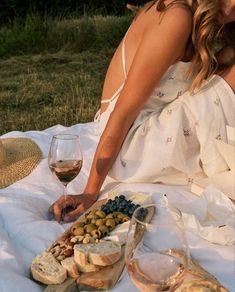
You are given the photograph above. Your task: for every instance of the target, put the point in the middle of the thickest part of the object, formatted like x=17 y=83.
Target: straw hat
x=18 y=157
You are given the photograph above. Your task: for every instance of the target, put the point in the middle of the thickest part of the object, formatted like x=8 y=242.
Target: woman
x=165 y=41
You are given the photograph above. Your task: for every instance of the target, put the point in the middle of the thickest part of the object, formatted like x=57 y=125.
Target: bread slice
x=71 y=267
x=101 y=254
x=47 y=270
x=88 y=268
x=105 y=279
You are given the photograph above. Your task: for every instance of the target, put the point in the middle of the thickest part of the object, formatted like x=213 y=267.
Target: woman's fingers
x=81 y=204
x=57 y=209
x=72 y=215
x=70 y=207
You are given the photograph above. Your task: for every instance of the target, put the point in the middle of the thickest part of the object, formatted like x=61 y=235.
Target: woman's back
x=125 y=53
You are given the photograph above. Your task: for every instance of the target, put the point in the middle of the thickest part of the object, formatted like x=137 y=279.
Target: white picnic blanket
x=25 y=229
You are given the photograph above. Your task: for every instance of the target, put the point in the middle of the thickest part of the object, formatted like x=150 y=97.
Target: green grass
x=52 y=72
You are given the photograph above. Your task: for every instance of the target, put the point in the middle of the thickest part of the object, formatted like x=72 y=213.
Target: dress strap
x=108 y=100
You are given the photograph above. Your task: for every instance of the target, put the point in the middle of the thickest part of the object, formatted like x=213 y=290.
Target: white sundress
x=173 y=138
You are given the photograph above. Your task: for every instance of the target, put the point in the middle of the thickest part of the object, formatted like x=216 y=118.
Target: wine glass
x=157 y=252
x=65 y=158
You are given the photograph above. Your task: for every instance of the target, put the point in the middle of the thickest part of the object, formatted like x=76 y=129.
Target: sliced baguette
x=71 y=267
x=88 y=268
x=101 y=254
x=105 y=279
x=47 y=270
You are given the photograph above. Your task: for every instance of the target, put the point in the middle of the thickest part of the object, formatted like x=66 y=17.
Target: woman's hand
x=70 y=207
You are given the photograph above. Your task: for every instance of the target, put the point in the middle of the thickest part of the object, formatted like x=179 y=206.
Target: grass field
x=52 y=72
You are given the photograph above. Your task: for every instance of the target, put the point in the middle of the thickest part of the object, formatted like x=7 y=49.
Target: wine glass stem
x=65 y=197
x=65 y=191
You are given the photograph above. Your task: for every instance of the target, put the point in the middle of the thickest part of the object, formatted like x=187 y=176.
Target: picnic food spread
x=84 y=248
x=90 y=254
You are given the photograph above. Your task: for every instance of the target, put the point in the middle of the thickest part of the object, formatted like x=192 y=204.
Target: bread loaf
x=101 y=254
x=47 y=270
x=71 y=267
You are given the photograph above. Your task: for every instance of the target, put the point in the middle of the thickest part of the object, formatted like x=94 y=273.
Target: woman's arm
x=162 y=45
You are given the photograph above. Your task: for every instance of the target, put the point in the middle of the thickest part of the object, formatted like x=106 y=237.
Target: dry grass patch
x=39 y=91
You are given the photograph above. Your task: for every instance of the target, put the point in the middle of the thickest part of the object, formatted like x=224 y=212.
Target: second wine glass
x=156 y=252
x=65 y=158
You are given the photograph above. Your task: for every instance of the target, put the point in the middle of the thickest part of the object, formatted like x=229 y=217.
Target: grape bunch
x=120 y=204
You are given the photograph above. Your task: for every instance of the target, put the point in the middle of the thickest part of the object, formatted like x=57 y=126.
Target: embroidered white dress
x=173 y=138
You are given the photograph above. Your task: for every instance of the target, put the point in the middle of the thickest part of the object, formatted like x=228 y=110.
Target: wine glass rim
x=65 y=136
x=172 y=208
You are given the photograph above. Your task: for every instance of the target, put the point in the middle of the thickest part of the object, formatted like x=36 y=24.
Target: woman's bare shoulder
x=176 y=19
x=169 y=5
x=177 y=14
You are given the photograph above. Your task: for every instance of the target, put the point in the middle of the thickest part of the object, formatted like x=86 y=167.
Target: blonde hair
x=207 y=37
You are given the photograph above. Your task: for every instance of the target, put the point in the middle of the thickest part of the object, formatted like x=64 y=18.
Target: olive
x=115 y=214
x=104 y=230
x=92 y=216
x=125 y=219
x=94 y=211
x=109 y=216
x=77 y=230
x=80 y=224
x=120 y=216
x=96 y=233
x=110 y=223
x=100 y=222
x=93 y=221
x=82 y=219
x=117 y=220
x=100 y=214
x=88 y=228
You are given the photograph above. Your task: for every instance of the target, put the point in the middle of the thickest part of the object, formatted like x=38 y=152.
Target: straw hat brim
x=22 y=155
